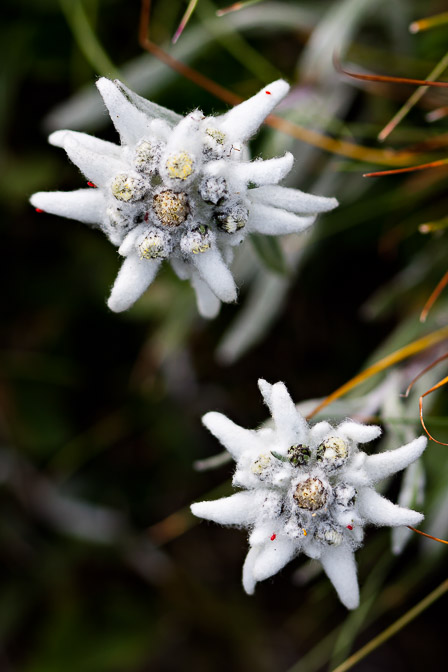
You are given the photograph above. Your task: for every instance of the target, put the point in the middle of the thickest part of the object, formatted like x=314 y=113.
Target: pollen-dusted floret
x=214 y=190
x=311 y=494
x=179 y=166
x=294 y=501
x=147 y=156
x=171 y=207
x=197 y=241
x=260 y=465
x=232 y=218
x=214 y=142
x=333 y=452
x=154 y=245
x=128 y=187
x=179 y=174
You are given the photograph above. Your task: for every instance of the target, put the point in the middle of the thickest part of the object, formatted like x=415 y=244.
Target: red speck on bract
x=91 y=184
x=146 y=216
x=274 y=536
x=39 y=210
x=349 y=527
x=269 y=93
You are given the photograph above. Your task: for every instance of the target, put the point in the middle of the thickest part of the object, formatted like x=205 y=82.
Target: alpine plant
x=180 y=189
x=306 y=489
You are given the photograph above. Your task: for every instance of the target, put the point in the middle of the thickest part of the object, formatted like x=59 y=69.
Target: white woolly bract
x=184 y=186
x=306 y=490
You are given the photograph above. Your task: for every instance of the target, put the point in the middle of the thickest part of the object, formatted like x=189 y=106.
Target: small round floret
x=179 y=166
x=154 y=246
x=299 y=455
x=171 y=207
x=128 y=188
x=196 y=241
x=332 y=452
x=310 y=494
x=147 y=155
x=233 y=218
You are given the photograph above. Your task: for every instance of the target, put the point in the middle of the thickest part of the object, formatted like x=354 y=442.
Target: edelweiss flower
x=306 y=490
x=180 y=188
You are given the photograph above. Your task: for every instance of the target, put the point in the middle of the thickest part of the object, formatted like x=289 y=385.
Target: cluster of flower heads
x=306 y=490
x=183 y=189
x=180 y=188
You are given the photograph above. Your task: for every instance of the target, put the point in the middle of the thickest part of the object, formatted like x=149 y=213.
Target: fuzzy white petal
x=184 y=136
x=134 y=277
x=292 y=200
x=358 y=432
x=248 y=570
x=147 y=106
x=95 y=167
x=215 y=273
x=291 y=427
x=181 y=269
x=208 y=302
x=381 y=465
x=85 y=205
x=340 y=567
x=275 y=222
x=131 y=123
x=238 y=509
x=263 y=172
x=128 y=244
x=380 y=511
x=59 y=138
x=319 y=431
x=273 y=556
x=244 y=119
x=234 y=438
x=266 y=391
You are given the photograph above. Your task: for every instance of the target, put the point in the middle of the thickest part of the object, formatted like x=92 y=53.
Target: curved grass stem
x=350 y=150
x=86 y=38
x=394 y=628
x=399 y=355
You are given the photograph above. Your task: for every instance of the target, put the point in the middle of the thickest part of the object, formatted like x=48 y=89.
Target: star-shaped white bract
x=306 y=490
x=180 y=188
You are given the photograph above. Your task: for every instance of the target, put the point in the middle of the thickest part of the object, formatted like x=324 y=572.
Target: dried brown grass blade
x=350 y=150
x=441 y=541
x=434 y=296
x=429 y=22
x=442 y=382
x=386 y=362
x=436 y=72
x=387 y=78
x=422 y=373
x=408 y=169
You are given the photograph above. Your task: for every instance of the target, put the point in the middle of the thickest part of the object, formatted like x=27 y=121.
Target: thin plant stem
x=394 y=628
x=413 y=100
x=398 y=356
x=86 y=38
x=351 y=150
x=185 y=19
x=236 y=7
x=429 y=22
x=424 y=534
x=434 y=296
x=409 y=169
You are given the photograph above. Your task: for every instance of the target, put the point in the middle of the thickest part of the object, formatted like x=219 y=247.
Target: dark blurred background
x=102 y=567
